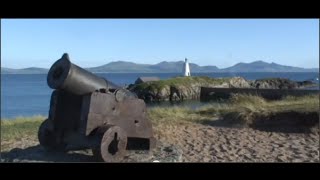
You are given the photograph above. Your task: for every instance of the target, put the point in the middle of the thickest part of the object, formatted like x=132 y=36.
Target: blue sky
x=220 y=42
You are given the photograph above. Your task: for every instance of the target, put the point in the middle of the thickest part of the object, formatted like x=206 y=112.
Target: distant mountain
x=31 y=70
x=261 y=66
x=171 y=67
x=164 y=66
x=6 y=70
x=121 y=67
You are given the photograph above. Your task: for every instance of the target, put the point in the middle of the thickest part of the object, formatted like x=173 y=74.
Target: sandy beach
x=195 y=143
x=205 y=143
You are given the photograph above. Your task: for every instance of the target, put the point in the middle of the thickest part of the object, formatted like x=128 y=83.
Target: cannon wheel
x=48 y=139
x=113 y=145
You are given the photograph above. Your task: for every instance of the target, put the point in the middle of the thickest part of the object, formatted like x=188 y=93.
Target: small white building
x=186 y=68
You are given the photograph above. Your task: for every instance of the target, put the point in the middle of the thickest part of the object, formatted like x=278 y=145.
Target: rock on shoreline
x=184 y=88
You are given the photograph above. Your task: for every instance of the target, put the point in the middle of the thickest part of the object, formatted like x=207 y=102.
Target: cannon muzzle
x=63 y=75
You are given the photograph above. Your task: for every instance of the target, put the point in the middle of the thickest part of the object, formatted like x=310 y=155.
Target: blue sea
x=29 y=94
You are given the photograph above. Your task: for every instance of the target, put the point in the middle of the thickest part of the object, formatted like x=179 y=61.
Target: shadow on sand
x=38 y=154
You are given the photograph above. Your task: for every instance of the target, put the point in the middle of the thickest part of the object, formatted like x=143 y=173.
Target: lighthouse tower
x=186 y=69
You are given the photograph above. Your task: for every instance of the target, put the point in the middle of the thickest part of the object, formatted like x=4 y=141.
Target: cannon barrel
x=64 y=75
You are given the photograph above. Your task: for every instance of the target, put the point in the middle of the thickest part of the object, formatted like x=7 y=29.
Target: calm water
x=28 y=95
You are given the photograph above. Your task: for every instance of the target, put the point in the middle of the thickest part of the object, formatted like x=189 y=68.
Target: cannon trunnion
x=87 y=111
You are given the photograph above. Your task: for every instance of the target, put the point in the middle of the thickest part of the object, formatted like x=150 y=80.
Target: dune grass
x=246 y=109
x=17 y=128
x=238 y=102
x=242 y=109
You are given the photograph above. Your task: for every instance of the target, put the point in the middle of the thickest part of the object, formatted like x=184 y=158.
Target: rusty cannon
x=90 y=112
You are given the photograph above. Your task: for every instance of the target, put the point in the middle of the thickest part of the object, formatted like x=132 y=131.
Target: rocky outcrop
x=306 y=84
x=152 y=91
x=274 y=83
x=280 y=83
x=239 y=82
x=179 y=89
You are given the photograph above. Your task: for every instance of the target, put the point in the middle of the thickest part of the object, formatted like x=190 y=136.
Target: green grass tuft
x=15 y=129
x=181 y=81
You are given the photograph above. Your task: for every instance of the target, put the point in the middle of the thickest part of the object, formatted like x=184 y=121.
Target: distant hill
x=164 y=66
x=121 y=67
x=261 y=66
x=171 y=67
x=31 y=70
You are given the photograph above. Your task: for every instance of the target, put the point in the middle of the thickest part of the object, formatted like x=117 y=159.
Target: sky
x=218 y=42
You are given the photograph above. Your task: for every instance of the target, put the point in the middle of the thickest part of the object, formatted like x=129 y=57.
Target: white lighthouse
x=186 y=68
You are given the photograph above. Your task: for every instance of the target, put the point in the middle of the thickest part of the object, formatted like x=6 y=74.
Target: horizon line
x=169 y=62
